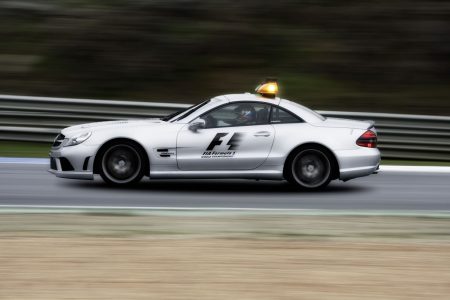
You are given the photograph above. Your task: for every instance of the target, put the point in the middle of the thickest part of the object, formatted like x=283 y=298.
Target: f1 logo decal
x=233 y=143
x=216 y=141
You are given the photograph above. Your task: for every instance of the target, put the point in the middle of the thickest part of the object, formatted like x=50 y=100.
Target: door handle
x=262 y=133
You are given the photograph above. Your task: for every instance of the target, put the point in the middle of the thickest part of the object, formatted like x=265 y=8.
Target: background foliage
x=387 y=55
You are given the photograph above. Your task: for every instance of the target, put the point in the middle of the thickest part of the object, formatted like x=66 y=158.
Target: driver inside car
x=246 y=114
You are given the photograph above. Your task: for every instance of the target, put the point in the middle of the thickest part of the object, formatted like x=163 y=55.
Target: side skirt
x=246 y=174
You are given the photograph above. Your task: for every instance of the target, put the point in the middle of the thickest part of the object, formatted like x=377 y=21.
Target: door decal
x=235 y=141
x=217 y=141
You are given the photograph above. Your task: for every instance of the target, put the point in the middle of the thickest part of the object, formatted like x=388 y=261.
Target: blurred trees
x=388 y=55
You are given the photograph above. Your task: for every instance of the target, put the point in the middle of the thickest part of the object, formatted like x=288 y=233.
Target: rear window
x=280 y=116
x=312 y=112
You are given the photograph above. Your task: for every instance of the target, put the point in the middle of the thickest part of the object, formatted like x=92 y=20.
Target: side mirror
x=197 y=124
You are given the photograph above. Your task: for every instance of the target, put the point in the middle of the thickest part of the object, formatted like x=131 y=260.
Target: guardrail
x=39 y=119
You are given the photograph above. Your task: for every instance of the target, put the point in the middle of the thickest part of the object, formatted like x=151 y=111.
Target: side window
x=238 y=114
x=280 y=115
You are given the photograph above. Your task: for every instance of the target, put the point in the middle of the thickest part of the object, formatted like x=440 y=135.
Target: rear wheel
x=310 y=169
x=121 y=164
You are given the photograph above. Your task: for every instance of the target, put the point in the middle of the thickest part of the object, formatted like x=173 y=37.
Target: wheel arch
x=114 y=141
x=333 y=159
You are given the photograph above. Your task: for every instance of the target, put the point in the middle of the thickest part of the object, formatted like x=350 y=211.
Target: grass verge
x=103 y=256
x=24 y=149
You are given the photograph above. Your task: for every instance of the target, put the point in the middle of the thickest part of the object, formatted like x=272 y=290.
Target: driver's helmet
x=246 y=113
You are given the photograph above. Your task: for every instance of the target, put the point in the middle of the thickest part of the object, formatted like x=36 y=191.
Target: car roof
x=305 y=113
x=250 y=97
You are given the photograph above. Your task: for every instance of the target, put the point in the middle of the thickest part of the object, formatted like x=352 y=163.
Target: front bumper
x=76 y=162
x=72 y=174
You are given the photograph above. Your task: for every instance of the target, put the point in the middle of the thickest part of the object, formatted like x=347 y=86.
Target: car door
x=236 y=136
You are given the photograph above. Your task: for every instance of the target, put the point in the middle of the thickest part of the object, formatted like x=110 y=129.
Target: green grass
x=28 y=149
x=402 y=162
x=24 y=149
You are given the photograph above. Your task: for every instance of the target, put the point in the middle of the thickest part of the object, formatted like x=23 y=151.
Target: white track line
x=76 y=207
x=57 y=209
x=417 y=169
x=383 y=168
x=24 y=160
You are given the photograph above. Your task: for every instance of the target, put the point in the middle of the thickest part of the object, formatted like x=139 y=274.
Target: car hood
x=109 y=124
x=345 y=123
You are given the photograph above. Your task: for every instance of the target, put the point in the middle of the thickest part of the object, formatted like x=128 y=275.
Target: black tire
x=122 y=164
x=309 y=169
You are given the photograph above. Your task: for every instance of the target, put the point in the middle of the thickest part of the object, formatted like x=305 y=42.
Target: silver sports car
x=253 y=136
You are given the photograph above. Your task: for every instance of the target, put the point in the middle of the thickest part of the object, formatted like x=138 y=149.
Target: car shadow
x=224 y=186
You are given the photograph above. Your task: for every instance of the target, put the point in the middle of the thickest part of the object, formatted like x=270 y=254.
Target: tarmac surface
x=31 y=185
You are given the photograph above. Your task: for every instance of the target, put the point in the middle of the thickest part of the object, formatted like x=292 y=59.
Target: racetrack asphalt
x=31 y=184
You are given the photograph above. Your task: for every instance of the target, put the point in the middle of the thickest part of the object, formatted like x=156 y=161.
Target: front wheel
x=310 y=169
x=121 y=164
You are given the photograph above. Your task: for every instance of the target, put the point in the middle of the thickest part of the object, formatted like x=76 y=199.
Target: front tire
x=310 y=169
x=122 y=164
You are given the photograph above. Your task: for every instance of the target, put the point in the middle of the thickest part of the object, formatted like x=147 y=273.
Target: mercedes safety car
x=252 y=136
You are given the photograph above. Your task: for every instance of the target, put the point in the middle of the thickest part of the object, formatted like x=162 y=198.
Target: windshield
x=188 y=111
x=183 y=113
x=172 y=115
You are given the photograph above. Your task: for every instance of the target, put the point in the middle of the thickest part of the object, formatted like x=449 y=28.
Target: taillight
x=367 y=139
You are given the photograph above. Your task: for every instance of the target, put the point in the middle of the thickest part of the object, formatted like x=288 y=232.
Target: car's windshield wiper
x=183 y=113
x=170 y=116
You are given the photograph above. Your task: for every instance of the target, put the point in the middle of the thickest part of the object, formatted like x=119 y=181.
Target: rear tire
x=122 y=164
x=309 y=169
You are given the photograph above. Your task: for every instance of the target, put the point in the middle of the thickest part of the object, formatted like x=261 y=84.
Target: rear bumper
x=358 y=163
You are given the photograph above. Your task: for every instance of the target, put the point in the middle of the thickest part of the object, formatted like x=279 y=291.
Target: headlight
x=77 y=139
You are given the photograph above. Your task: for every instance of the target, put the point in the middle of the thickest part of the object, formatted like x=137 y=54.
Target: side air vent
x=165 y=152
